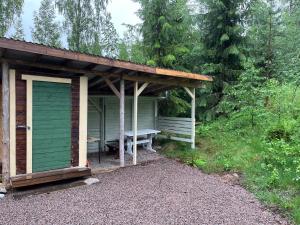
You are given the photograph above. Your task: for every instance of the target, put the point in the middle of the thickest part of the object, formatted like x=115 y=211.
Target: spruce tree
x=165 y=30
x=8 y=10
x=46 y=30
x=222 y=39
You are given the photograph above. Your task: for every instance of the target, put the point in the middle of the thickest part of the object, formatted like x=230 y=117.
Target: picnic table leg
x=99 y=150
x=129 y=146
x=149 y=144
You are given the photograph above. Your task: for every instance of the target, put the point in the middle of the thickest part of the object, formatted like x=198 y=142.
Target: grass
x=220 y=151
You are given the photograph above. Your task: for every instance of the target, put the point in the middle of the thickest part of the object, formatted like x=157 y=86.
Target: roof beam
x=76 y=56
x=95 y=81
x=142 y=78
x=112 y=87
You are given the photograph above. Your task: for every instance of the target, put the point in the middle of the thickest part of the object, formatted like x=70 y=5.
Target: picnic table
x=145 y=137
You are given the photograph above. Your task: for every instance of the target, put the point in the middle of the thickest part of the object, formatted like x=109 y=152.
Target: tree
x=88 y=26
x=287 y=62
x=8 y=10
x=221 y=27
x=18 y=30
x=165 y=30
x=46 y=30
x=131 y=47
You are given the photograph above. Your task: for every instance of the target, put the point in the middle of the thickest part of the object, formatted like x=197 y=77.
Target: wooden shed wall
x=0 y=126
x=110 y=107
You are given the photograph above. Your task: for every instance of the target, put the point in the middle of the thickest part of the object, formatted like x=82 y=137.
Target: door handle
x=23 y=127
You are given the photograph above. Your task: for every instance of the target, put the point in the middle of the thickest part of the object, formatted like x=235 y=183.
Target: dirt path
x=162 y=192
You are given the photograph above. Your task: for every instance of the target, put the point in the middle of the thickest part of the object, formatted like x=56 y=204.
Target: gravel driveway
x=161 y=192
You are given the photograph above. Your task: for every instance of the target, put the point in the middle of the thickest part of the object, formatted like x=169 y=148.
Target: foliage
x=222 y=37
x=264 y=28
x=131 y=46
x=88 y=26
x=46 y=30
x=8 y=10
x=18 y=30
x=165 y=31
x=266 y=152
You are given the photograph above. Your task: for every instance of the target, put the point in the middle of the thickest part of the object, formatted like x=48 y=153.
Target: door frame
x=29 y=80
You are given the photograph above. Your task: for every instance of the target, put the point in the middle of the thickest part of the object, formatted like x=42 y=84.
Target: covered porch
x=101 y=83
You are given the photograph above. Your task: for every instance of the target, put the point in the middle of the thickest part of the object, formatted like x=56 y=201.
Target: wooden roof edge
x=77 y=56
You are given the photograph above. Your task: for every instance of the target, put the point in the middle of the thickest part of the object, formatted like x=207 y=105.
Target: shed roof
x=39 y=58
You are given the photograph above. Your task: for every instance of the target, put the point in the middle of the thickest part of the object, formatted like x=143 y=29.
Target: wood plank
x=175 y=138
x=12 y=119
x=183 y=81
x=122 y=122
x=5 y=124
x=51 y=176
x=175 y=118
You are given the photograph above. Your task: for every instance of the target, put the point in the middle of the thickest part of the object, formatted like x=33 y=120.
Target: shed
x=53 y=99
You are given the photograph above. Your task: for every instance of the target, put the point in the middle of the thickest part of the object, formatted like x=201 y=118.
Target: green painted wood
x=51 y=126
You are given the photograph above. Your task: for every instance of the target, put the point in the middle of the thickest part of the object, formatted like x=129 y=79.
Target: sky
x=122 y=11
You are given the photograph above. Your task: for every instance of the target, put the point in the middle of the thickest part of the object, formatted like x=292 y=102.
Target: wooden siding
x=21 y=120
x=146 y=117
x=112 y=119
x=175 y=125
x=178 y=129
x=51 y=126
x=1 y=141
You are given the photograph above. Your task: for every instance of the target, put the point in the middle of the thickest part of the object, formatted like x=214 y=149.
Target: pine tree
x=88 y=26
x=46 y=30
x=8 y=10
x=18 y=30
x=165 y=31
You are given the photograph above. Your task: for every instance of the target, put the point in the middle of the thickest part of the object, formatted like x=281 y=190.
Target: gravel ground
x=161 y=192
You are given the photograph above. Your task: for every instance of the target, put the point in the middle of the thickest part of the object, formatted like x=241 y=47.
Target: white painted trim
x=29 y=126
x=134 y=121
x=193 y=115
x=83 y=112
x=112 y=87
x=46 y=79
x=191 y=94
x=12 y=121
x=142 y=88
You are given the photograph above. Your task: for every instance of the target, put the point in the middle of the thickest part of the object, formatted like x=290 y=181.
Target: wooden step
x=49 y=176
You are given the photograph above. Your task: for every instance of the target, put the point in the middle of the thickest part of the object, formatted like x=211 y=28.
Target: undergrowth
x=263 y=144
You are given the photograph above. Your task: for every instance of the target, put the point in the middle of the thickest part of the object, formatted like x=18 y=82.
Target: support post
x=193 y=112
x=5 y=123
x=134 y=124
x=122 y=123
x=192 y=94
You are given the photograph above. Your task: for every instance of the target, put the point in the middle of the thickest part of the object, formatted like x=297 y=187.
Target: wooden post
x=193 y=112
x=192 y=94
x=134 y=122
x=156 y=114
x=5 y=124
x=122 y=123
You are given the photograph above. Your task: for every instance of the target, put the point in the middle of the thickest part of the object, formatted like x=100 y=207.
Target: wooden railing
x=176 y=128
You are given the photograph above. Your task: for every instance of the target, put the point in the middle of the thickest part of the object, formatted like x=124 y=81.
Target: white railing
x=176 y=128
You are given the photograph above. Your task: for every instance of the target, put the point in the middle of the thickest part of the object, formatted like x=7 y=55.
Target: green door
x=51 y=126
